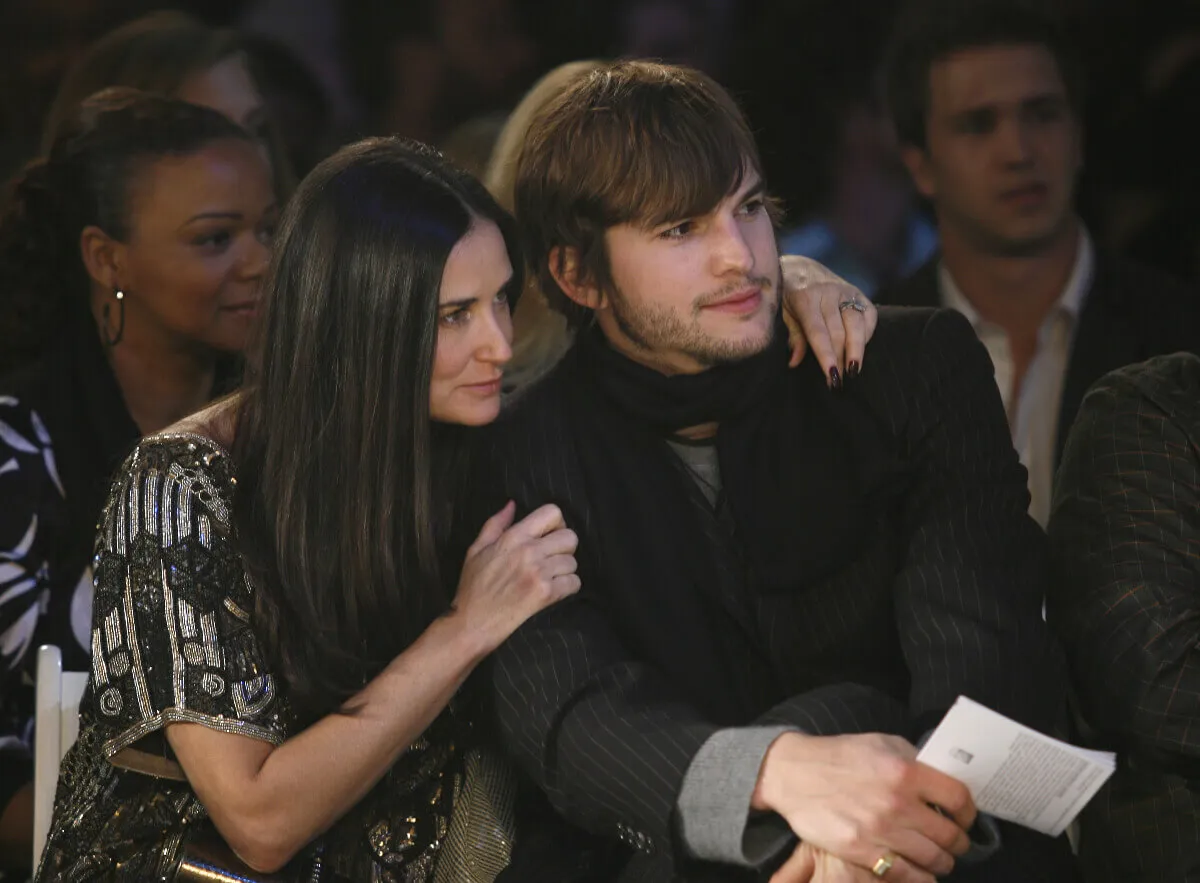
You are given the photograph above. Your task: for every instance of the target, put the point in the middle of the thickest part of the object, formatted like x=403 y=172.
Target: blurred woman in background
x=170 y=53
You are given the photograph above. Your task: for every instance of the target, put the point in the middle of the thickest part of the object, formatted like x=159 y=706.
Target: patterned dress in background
x=64 y=428
x=32 y=492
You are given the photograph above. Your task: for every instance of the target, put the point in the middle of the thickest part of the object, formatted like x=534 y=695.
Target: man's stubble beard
x=654 y=330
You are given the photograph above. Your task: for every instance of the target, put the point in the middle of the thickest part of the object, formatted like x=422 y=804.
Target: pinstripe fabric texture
x=1126 y=602
x=943 y=599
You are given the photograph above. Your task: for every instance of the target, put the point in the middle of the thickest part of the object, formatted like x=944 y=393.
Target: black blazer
x=1132 y=312
x=944 y=599
x=1126 y=602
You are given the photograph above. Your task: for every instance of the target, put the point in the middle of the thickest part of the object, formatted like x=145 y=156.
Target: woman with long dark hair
x=130 y=259
x=278 y=647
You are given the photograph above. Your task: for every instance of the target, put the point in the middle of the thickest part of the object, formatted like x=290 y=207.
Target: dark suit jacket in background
x=1125 y=530
x=1132 y=312
x=944 y=599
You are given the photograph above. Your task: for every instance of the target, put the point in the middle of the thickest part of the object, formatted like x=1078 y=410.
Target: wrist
x=468 y=644
x=765 y=796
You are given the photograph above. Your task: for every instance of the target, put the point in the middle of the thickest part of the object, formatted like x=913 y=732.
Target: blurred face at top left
x=197 y=247
x=228 y=88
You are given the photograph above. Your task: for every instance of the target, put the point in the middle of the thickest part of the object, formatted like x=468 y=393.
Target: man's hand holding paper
x=863 y=798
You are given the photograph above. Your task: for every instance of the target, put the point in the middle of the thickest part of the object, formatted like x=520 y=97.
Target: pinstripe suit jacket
x=1126 y=602
x=943 y=599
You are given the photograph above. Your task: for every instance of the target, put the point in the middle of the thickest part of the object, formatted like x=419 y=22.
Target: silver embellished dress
x=173 y=640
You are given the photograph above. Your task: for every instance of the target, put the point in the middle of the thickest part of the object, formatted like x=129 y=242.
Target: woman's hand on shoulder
x=819 y=316
x=514 y=570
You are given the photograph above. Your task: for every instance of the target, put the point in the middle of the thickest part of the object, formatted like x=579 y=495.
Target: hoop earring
x=113 y=339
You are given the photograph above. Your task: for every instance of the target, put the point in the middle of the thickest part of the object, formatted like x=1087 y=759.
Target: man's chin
x=1029 y=240
x=727 y=349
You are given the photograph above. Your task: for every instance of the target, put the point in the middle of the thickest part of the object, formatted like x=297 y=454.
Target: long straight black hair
x=343 y=478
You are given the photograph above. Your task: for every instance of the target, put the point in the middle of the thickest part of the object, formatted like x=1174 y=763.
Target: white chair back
x=56 y=728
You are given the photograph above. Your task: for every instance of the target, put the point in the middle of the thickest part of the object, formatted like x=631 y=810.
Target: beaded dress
x=173 y=640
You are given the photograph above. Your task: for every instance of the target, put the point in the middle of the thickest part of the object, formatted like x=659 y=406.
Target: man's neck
x=619 y=341
x=1014 y=292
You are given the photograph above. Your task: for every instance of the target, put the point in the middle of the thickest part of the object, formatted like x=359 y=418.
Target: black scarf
x=788 y=473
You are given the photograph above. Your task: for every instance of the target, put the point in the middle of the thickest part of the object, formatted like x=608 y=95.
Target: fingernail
x=852 y=371
x=835 y=379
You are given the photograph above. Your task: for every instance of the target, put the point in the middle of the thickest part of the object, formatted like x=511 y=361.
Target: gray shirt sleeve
x=714 y=816
x=713 y=810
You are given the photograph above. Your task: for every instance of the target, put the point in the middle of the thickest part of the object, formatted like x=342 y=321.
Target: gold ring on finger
x=884 y=864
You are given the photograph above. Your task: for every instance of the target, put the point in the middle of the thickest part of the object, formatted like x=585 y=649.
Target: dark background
x=445 y=71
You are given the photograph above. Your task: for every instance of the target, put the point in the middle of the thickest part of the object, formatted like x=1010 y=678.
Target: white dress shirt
x=1033 y=416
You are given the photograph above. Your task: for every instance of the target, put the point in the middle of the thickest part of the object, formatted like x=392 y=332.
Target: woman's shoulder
x=181 y=444
x=199 y=442
x=170 y=508
x=172 y=484
x=182 y=448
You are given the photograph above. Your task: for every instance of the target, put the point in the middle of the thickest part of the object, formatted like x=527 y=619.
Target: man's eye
x=678 y=231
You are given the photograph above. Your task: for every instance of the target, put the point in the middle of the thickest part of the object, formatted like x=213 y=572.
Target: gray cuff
x=713 y=808
x=985 y=840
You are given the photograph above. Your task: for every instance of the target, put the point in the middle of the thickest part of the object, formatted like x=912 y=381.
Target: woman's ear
x=102 y=256
x=568 y=274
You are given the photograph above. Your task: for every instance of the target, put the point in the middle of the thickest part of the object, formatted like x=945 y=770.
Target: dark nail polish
x=835 y=379
x=852 y=371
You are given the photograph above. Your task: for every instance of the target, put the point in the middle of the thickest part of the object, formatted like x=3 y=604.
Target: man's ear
x=920 y=169
x=102 y=256
x=567 y=271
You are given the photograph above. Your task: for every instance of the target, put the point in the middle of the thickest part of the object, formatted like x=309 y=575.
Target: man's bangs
x=675 y=175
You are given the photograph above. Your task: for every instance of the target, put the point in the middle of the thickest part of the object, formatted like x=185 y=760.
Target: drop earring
x=111 y=340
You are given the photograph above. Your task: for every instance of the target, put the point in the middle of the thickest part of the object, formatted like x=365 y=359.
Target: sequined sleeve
x=172 y=638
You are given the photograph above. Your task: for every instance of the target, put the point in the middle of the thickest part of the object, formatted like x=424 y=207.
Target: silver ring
x=851 y=305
